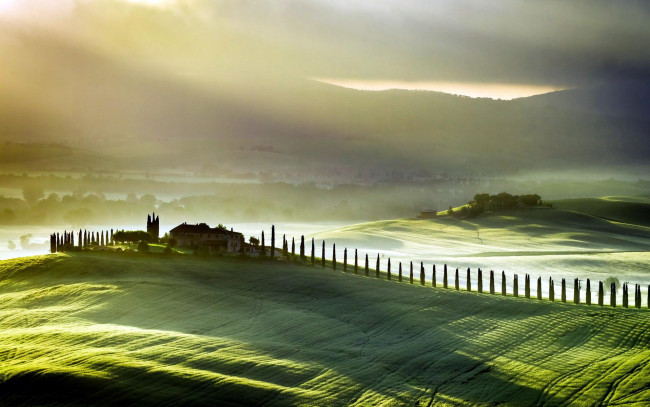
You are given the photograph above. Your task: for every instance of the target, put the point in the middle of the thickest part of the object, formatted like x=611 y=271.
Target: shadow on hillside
x=394 y=353
x=139 y=387
x=401 y=342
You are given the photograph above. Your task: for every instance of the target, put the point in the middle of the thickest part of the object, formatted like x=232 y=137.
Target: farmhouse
x=203 y=236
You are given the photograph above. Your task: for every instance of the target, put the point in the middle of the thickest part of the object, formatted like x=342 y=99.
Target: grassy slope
x=135 y=329
x=634 y=210
x=511 y=232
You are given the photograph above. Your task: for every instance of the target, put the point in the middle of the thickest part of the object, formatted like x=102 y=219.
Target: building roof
x=201 y=228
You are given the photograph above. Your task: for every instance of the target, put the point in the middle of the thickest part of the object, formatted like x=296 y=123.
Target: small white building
x=201 y=235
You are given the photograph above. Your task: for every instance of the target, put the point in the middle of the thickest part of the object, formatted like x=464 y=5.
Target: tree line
x=485 y=202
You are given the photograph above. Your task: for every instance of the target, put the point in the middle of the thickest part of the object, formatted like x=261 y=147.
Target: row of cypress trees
x=66 y=240
x=480 y=288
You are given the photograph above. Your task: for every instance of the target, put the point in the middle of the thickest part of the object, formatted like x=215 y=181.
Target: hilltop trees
x=485 y=202
x=131 y=236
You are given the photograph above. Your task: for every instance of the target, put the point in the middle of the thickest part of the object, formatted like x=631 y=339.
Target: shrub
x=143 y=247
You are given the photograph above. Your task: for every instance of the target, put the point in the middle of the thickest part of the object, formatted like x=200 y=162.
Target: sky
x=125 y=77
x=534 y=45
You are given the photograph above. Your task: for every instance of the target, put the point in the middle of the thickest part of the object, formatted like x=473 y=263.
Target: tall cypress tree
x=551 y=289
x=302 y=248
x=345 y=260
x=272 y=241
x=563 y=290
x=503 y=282
x=444 y=277
x=356 y=262
x=422 y=278
x=601 y=293
x=293 y=247
x=457 y=283
x=334 y=256
x=491 y=281
x=322 y=259
x=539 y=288
x=640 y=297
x=411 y=274
x=388 y=270
x=576 y=291
x=313 y=252
x=515 y=286
x=367 y=267
x=81 y=242
x=112 y=242
x=612 y=295
x=399 y=276
x=263 y=252
x=480 y=280
x=433 y=276
x=625 y=295
x=469 y=280
x=377 y=267
x=101 y=240
x=588 y=293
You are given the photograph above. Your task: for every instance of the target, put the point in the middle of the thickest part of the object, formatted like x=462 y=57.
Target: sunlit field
x=585 y=240
x=116 y=329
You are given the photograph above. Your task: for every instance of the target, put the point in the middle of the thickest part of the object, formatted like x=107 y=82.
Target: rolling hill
x=146 y=330
x=625 y=209
x=580 y=238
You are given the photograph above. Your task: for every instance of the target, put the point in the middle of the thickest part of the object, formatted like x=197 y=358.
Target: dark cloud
x=552 y=42
x=545 y=42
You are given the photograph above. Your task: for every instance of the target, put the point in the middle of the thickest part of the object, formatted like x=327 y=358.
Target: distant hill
x=621 y=209
x=49 y=156
x=121 y=330
x=625 y=100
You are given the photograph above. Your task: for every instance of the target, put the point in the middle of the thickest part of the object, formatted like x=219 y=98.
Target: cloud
x=552 y=42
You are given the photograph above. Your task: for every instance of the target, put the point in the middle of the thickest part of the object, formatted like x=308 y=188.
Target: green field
x=119 y=329
x=582 y=238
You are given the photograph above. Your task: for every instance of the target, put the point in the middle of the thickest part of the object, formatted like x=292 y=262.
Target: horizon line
x=490 y=90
